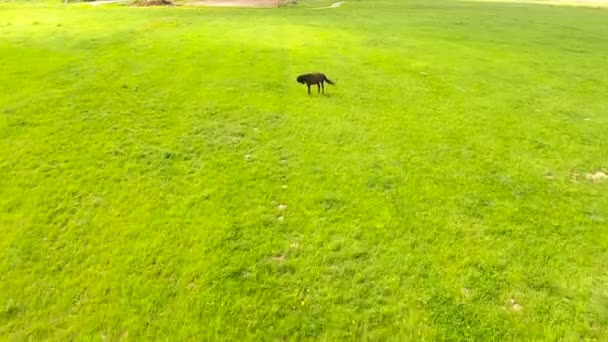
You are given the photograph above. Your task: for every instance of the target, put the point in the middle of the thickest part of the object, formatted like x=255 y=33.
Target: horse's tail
x=327 y=80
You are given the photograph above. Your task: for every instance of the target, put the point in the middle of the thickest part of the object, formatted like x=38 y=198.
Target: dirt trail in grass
x=334 y=5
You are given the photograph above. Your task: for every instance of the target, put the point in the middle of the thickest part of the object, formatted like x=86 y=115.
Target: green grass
x=430 y=195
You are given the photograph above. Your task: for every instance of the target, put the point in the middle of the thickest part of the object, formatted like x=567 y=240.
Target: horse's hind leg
x=318 y=88
x=323 y=87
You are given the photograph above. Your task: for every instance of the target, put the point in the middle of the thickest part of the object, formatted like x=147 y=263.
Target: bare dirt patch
x=334 y=5
x=596 y=177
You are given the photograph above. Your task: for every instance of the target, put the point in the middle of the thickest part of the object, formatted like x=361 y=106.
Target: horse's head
x=300 y=79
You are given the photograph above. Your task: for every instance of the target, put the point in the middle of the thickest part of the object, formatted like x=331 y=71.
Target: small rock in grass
x=514 y=305
x=282 y=206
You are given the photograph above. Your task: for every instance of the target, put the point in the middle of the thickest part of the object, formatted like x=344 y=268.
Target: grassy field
x=163 y=176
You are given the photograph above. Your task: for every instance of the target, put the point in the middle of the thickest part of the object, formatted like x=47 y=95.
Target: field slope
x=163 y=176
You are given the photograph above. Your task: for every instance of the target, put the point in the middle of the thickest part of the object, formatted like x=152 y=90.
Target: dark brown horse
x=314 y=78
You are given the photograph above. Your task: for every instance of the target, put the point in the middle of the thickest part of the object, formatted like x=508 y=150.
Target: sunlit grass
x=163 y=176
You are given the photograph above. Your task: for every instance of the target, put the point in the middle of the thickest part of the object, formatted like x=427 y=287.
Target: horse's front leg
x=308 y=85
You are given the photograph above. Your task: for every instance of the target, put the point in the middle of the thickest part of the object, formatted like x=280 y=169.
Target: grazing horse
x=314 y=78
